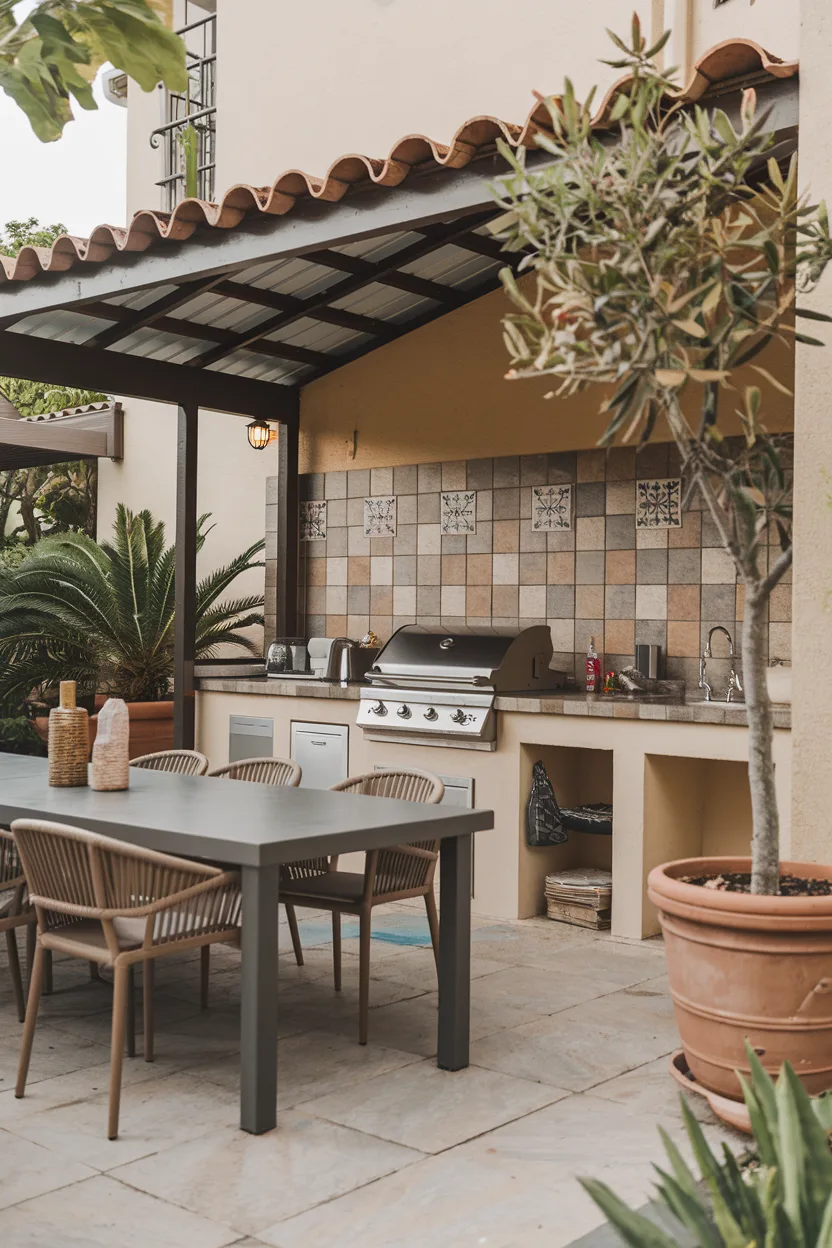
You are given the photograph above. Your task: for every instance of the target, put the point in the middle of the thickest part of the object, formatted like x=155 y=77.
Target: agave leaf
x=633 y=1227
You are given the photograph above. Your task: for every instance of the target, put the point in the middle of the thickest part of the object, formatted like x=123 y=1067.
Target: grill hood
x=503 y=663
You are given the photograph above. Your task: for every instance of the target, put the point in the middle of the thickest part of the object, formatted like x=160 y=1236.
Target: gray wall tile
x=358 y=483
x=651 y=567
x=507 y=504
x=590 y=498
x=560 y=602
x=589 y=567
x=683 y=567
x=621 y=532
x=429 y=477
x=620 y=602
x=480 y=474
x=335 y=485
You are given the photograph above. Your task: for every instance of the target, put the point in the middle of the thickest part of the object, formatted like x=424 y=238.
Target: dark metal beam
x=153 y=312
x=279 y=302
x=364 y=272
x=184 y=624
x=65 y=363
x=287 y=531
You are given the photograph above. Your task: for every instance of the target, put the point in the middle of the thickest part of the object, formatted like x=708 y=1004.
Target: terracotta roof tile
x=733 y=59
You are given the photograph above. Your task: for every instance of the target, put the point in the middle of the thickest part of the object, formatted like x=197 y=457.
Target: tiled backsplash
x=662 y=580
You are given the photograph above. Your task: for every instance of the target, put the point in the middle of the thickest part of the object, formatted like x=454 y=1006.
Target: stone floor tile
x=102 y=1213
x=586 y=1045
x=429 y=1109
x=620 y=965
x=314 y=1064
x=155 y=1114
x=249 y=1181
x=28 y=1170
x=515 y=1187
x=55 y=1052
x=525 y=988
x=651 y=1089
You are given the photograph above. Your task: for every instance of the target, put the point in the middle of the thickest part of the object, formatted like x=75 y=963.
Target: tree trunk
x=765 y=845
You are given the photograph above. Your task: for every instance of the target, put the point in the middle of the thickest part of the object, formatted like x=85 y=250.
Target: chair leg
x=14 y=970
x=204 y=975
x=147 y=1006
x=121 y=993
x=131 y=1010
x=31 y=943
x=433 y=923
x=292 y=920
x=95 y=970
x=35 y=983
x=336 y=949
x=363 y=976
x=47 y=977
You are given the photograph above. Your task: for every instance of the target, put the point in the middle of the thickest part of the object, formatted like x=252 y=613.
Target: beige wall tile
x=651 y=602
x=560 y=567
x=316 y=572
x=621 y=567
x=717 y=567
x=505 y=600
x=478 y=601
x=683 y=602
x=453 y=569
x=381 y=570
x=690 y=534
x=358 y=571
x=428 y=569
x=780 y=605
x=336 y=626
x=479 y=570
x=589 y=602
x=506 y=536
x=404 y=600
x=454 y=475
x=506 y=569
x=429 y=540
x=780 y=641
x=621 y=500
x=683 y=640
x=651 y=539
x=336 y=600
x=381 y=600
x=336 y=571
x=590 y=532
x=563 y=635
x=453 y=600
x=533 y=601
x=591 y=465
x=619 y=636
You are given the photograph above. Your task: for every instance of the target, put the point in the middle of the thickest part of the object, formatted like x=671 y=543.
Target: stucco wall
x=813 y=476
x=232 y=482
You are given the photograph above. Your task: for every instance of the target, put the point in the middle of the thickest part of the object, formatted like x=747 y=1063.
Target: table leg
x=454 y=952
x=258 y=1011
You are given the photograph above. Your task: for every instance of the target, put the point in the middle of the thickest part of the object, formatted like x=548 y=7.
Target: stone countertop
x=557 y=702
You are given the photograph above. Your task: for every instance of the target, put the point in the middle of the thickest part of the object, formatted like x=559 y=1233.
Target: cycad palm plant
x=102 y=615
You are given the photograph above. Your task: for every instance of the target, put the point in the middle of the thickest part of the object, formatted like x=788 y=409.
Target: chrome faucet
x=734 y=685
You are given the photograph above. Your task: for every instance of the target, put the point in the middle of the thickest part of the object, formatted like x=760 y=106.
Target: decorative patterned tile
x=380 y=517
x=551 y=507
x=659 y=503
x=313 y=520
x=459 y=511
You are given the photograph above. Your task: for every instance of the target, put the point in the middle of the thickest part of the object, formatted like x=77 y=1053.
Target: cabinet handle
x=317 y=742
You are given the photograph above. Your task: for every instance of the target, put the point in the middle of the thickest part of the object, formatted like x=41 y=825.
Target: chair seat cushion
x=86 y=937
x=333 y=886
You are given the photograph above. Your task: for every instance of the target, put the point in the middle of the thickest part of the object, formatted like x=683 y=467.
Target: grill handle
x=426 y=680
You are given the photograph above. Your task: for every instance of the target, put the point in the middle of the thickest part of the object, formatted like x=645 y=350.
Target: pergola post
x=287 y=530
x=184 y=630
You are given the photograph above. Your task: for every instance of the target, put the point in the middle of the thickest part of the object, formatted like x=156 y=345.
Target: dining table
x=256 y=828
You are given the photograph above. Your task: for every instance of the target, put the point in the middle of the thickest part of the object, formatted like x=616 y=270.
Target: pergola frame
x=441 y=206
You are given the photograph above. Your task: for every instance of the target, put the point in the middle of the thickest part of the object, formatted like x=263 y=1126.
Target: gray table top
x=228 y=820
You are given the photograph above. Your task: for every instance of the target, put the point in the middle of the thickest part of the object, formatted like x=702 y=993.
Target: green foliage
x=103 y=615
x=17 y=234
x=781 y=1196
x=18 y=736
x=52 y=56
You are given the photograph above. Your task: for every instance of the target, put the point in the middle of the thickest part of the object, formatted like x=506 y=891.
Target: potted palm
x=662 y=256
x=102 y=615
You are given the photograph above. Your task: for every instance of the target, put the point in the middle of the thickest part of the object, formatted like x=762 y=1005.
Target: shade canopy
x=91 y=432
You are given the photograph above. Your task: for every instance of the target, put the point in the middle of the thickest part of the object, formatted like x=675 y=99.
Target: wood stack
x=582 y=896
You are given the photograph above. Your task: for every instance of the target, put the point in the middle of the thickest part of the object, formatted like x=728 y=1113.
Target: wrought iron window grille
x=188 y=136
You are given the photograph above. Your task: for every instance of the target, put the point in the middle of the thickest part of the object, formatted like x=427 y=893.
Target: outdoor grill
x=429 y=686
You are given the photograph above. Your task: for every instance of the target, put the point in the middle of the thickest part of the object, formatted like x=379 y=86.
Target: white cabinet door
x=322 y=751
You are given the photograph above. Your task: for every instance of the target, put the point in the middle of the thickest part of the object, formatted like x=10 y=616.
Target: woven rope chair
x=389 y=875
x=116 y=904
x=284 y=771
x=178 y=762
x=15 y=911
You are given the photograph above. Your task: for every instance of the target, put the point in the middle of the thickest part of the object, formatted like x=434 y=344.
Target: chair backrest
x=406 y=785
x=408 y=870
x=283 y=771
x=11 y=872
x=182 y=762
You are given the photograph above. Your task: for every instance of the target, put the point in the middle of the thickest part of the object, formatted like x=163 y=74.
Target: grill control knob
x=378 y=709
x=404 y=712
x=459 y=716
x=431 y=714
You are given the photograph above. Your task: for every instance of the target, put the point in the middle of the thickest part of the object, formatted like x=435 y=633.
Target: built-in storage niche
x=693 y=807
x=579 y=776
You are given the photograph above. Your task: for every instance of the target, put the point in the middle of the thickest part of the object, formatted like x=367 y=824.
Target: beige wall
x=813 y=475
x=439 y=393
x=232 y=482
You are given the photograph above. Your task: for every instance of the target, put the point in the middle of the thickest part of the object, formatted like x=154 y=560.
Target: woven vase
x=111 y=748
x=69 y=741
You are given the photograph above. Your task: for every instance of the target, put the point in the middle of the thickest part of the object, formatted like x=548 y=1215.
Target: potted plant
x=102 y=615
x=662 y=254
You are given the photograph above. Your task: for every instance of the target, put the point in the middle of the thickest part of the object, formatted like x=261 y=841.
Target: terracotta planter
x=743 y=965
x=151 y=726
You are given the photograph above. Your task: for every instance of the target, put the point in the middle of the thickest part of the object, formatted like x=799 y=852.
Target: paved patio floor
x=376 y=1147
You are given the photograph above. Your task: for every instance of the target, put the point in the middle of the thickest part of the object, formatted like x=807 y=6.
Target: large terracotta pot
x=743 y=965
x=151 y=726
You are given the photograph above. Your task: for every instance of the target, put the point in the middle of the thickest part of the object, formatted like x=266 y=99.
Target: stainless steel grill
x=433 y=687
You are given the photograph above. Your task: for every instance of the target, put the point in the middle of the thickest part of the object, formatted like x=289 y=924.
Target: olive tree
x=661 y=255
